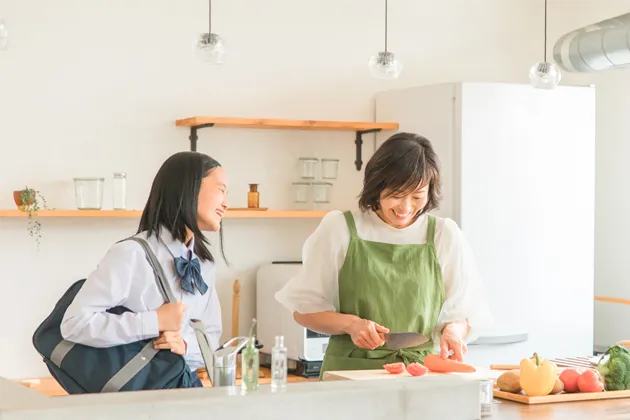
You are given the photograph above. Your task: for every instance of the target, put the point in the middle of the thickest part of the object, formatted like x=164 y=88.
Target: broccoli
x=616 y=370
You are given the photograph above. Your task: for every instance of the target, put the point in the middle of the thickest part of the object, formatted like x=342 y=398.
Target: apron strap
x=351 y=225
x=431 y=230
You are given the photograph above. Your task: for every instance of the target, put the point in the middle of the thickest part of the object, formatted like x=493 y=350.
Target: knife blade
x=396 y=341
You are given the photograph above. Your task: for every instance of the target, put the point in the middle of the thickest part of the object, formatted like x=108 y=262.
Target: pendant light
x=384 y=64
x=210 y=47
x=4 y=35
x=544 y=74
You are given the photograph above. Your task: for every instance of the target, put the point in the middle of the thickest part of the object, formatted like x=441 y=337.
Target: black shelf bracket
x=359 y=142
x=193 y=135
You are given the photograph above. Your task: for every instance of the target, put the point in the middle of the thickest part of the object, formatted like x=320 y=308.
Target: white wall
x=89 y=87
x=612 y=266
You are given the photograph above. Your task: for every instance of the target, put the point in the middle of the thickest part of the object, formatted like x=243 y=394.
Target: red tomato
x=416 y=369
x=590 y=381
x=569 y=378
x=395 y=368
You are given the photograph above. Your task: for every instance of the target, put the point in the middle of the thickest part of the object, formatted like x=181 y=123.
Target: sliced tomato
x=416 y=369
x=395 y=368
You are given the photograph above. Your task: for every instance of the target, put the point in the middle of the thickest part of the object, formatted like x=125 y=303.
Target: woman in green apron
x=391 y=266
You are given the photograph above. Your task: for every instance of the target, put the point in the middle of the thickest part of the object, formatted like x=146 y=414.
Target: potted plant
x=31 y=201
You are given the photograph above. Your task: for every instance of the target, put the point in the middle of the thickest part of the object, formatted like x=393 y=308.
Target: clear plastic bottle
x=250 y=364
x=120 y=191
x=279 y=364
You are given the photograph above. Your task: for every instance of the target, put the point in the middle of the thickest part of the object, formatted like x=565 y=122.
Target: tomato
x=416 y=369
x=590 y=381
x=569 y=378
x=395 y=368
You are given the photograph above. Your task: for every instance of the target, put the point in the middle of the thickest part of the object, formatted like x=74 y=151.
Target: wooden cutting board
x=560 y=398
x=369 y=375
x=564 y=363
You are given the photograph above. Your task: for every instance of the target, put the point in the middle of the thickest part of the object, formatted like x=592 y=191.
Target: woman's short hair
x=402 y=164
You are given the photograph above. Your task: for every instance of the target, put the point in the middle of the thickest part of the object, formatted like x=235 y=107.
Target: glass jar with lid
x=329 y=168
x=307 y=166
x=321 y=192
x=301 y=192
x=120 y=191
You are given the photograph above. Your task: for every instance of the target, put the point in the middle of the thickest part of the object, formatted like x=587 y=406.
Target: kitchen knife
x=403 y=340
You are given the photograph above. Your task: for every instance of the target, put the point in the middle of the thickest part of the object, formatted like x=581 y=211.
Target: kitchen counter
x=613 y=409
x=406 y=399
x=584 y=410
x=399 y=399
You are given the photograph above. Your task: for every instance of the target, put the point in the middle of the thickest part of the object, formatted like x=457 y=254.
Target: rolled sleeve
x=315 y=288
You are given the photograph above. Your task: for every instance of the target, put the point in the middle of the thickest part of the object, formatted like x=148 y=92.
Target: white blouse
x=315 y=288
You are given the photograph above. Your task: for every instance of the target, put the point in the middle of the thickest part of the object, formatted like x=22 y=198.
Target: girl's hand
x=171 y=316
x=171 y=340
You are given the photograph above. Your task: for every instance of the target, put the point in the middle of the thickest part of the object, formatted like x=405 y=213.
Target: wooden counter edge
x=50 y=387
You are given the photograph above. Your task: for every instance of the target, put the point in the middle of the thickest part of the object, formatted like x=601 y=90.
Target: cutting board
x=562 y=398
x=369 y=375
x=565 y=363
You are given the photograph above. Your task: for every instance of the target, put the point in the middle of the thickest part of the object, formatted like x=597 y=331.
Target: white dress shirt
x=125 y=278
x=316 y=289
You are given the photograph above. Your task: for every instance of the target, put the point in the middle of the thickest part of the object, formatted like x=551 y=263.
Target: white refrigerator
x=518 y=174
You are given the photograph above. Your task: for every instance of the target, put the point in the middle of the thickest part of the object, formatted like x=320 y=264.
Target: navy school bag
x=81 y=369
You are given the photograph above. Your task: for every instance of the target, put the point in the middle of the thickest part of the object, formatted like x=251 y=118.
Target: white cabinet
x=518 y=172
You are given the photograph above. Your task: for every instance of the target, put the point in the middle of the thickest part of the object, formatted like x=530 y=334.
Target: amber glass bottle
x=253 y=196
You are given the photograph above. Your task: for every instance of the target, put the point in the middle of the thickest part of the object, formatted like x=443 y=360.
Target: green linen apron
x=397 y=286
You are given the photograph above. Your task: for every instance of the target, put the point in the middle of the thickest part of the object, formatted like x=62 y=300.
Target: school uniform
x=413 y=279
x=125 y=278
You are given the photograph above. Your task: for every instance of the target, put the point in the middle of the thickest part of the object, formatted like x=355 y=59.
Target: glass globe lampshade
x=384 y=65
x=210 y=48
x=545 y=75
x=4 y=35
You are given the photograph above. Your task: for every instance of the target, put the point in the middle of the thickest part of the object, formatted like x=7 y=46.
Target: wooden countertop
x=49 y=386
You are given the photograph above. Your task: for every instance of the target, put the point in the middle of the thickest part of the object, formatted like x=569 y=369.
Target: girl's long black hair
x=172 y=202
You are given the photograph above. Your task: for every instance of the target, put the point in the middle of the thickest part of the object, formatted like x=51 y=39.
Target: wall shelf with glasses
x=359 y=128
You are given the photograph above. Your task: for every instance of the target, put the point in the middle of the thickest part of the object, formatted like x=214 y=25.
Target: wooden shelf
x=359 y=128
x=239 y=214
x=612 y=300
x=285 y=124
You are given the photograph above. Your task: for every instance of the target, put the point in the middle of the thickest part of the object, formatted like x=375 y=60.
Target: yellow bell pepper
x=536 y=378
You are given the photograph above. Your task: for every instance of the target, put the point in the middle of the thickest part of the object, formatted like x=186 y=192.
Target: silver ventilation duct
x=601 y=46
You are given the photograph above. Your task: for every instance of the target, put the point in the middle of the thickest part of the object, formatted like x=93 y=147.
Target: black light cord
x=545 y=47
x=386 y=25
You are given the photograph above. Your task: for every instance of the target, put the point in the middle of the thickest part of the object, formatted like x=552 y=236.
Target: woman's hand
x=451 y=339
x=366 y=334
x=171 y=340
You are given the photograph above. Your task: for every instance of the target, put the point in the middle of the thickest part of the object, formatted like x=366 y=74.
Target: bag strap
x=160 y=277
x=144 y=357
x=204 y=346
